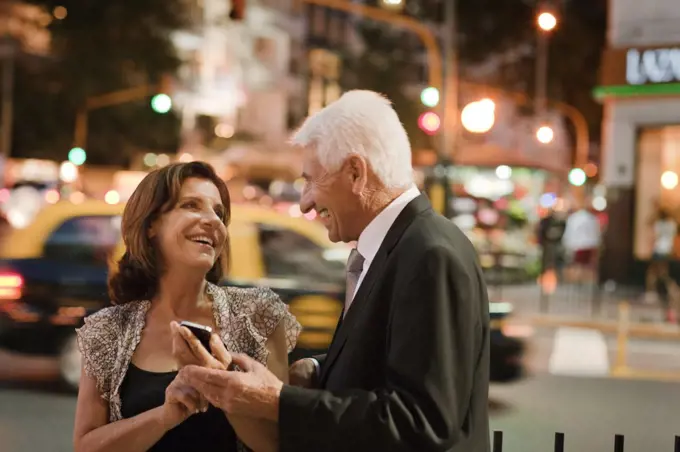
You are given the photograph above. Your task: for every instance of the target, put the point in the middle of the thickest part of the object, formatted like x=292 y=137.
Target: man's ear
x=358 y=173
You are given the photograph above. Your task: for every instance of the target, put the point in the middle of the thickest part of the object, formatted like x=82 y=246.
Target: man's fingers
x=202 y=377
x=220 y=351
x=245 y=362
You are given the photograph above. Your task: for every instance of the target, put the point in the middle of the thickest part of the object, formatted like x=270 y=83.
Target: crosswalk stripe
x=578 y=351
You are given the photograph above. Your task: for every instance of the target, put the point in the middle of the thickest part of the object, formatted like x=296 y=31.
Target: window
x=84 y=240
x=287 y=254
x=325 y=70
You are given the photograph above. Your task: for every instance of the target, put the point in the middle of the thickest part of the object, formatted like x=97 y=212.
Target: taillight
x=10 y=285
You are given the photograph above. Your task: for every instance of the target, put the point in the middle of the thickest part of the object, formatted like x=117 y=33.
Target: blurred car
x=54 y=272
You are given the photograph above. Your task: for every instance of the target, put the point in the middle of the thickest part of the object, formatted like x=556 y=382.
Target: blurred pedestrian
x=582 y=240
x=658 y=278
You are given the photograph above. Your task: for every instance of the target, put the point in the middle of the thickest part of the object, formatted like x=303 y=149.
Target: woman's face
x=192 y=233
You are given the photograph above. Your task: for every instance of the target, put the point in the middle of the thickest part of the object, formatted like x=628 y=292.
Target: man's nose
x=306 y=201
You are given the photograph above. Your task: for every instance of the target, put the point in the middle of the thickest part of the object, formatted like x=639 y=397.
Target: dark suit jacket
x=408 y=368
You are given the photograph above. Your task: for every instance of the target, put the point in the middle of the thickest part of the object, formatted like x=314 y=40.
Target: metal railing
x=559 y=442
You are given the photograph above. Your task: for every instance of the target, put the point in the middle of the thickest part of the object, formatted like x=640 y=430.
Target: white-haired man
x=408 y=368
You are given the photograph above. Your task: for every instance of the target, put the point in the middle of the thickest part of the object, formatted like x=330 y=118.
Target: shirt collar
x=373 y=235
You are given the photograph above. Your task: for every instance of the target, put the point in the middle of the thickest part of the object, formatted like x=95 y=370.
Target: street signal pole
x=161 y=103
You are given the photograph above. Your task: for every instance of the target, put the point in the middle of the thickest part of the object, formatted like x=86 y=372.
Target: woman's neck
x=181 y=295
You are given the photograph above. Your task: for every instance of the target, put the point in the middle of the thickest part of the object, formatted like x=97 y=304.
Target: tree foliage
x=98 y=48
x=498 y=37
x=387 y=67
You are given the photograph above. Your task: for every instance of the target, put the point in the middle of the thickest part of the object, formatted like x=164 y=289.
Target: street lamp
x=669 y=180
x=547 y=21
x=479 y=117
x=394 y=5
x=545 y=134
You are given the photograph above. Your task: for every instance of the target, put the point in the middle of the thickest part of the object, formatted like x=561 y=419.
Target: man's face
x=333 y=196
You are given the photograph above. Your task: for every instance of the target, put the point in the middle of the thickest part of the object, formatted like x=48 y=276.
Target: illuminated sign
x=653 y=66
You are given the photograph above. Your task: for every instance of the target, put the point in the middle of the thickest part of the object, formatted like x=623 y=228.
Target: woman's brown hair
x=137 y=272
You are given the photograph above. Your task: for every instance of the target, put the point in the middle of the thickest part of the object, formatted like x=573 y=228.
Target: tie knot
x=355 y=263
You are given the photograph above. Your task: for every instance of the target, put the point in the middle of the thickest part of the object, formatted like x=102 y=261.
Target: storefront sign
x=653 y=66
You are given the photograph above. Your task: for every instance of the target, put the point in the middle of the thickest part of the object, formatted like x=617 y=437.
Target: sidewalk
x=579 y=302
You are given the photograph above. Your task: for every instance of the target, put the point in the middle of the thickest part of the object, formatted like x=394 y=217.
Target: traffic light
x=429 y=122
x=161 y=103
x=77 y=156
x=238 y=9
x=430 y=97
x=577 y=177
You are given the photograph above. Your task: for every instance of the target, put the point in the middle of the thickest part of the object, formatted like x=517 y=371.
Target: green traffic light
x=161 y=103
x=430 y=97
x=577 y=177
x=77 y=156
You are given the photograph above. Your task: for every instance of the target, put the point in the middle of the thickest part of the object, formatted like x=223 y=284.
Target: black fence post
x=559 y=442
x=618 y=443
x=497 y=441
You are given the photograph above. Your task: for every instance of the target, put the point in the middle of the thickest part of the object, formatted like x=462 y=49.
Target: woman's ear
x=153 y=230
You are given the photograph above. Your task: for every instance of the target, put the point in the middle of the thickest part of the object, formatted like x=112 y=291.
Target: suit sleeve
x=433 y=350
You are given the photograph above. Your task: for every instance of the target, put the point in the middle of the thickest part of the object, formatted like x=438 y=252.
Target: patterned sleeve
x=269 y=311
x=98 y=344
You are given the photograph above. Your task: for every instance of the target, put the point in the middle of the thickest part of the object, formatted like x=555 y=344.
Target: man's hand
x=187 y=349
x=303 y=373
x=253 y=392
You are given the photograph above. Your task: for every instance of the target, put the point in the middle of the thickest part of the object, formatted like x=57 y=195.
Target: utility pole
x=450 y=132
x=7 y=53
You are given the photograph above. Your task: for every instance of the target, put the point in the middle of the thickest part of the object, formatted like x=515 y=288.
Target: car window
x=88 y=240
x=288 y=254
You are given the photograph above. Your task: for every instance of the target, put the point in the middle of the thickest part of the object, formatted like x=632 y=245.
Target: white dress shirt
x=373 y=235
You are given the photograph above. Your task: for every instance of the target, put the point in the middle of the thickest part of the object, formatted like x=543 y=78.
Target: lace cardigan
x=245 y=319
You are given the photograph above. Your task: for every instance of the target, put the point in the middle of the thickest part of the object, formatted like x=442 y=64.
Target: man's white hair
x=364 y=123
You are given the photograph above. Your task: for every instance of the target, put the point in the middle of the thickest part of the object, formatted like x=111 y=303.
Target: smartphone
x=202 y=332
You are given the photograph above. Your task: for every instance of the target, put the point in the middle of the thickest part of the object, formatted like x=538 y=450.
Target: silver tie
x=355 y=265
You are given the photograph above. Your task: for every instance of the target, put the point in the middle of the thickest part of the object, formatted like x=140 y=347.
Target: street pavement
x=577 y=301
x=568 y=390
x=590 y=411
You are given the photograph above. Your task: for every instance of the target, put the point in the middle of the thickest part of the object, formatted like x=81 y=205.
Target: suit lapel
x=375 y=272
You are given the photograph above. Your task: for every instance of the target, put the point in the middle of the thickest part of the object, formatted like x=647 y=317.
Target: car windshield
x=288 y=254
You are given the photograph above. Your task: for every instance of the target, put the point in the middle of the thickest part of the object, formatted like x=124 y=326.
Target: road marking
x=579 y=352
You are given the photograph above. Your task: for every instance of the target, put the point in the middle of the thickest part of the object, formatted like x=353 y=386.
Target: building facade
x=640 y=90
x=235 y=79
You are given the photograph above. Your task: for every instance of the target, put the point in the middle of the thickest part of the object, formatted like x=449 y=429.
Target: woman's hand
x=188 y=350
x=181 y=401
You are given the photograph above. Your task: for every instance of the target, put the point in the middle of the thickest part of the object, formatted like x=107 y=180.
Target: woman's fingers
x=220 y=351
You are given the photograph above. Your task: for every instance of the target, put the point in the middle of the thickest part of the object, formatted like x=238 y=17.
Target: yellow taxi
x=54 y=272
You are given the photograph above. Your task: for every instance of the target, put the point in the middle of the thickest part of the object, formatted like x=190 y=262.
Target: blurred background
x=547 y=130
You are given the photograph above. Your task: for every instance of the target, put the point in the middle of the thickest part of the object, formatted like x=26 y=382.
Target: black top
x=142 y=390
